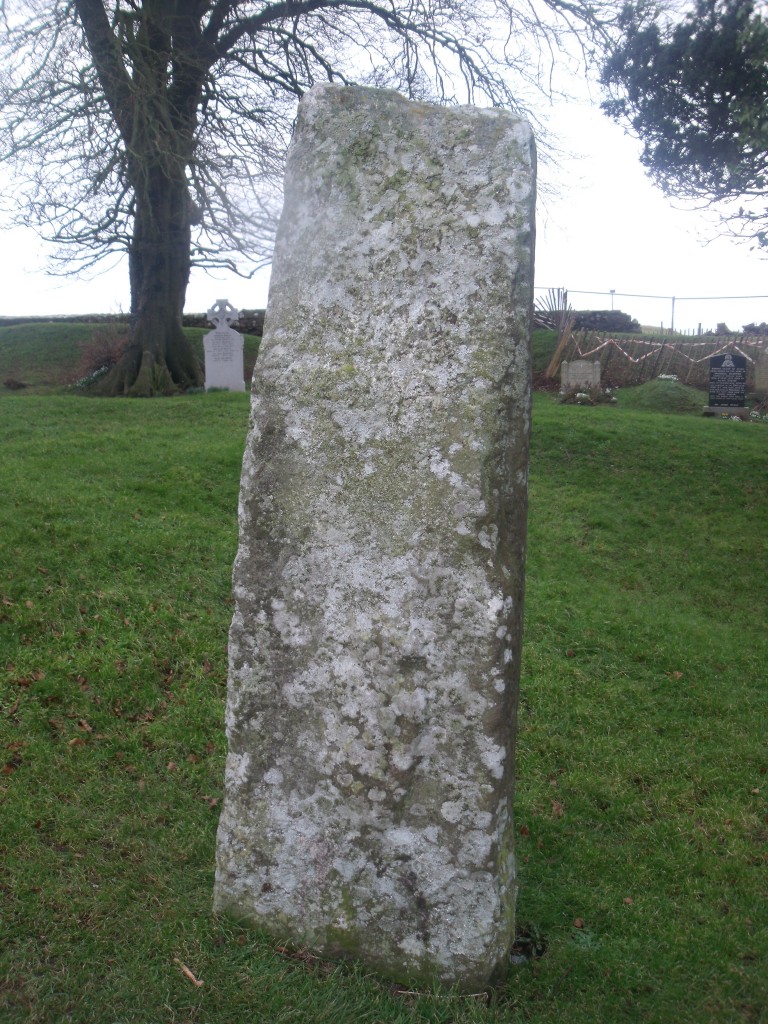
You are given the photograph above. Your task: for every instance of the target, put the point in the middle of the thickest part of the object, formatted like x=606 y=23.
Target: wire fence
x=630 y=361
x=672 y=307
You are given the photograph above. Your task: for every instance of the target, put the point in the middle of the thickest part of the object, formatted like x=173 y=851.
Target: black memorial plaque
x=727 y=380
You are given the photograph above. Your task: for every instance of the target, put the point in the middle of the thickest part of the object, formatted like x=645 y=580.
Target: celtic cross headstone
x=223 y=349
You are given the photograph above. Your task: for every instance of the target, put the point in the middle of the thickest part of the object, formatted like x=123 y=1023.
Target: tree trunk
x=159 y=359
x=154 y=109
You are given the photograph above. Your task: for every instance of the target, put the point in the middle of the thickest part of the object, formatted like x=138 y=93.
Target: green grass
x=641 y=806
x=44 y=356
x=663 y=396
x=47 y=356
x=543 y=345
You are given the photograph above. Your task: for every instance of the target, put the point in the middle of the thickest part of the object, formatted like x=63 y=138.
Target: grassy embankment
x=48 y=357
x=641 y=809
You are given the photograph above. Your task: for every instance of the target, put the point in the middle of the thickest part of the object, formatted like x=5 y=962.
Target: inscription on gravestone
x=374 y=652
x=727 y=380
x=578 y=374
x=221 y=347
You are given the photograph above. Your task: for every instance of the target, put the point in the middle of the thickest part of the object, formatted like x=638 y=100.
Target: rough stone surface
x=578 y=374
x=375 y=644
x=761 y=373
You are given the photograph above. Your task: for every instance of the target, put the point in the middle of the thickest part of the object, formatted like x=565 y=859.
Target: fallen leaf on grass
x=33 y=677
x=557 y=809
x=628 y=900
x=84 y=725
x=187 y=973
x=76 y=742
x=578 y=923
x=303 y=956
x=142 y=716
x=10 y=766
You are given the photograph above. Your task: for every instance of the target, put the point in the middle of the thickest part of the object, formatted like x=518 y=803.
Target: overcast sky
x=609 y=228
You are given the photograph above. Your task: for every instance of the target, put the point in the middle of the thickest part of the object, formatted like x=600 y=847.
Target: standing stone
x=223 y=349
x=375 y=645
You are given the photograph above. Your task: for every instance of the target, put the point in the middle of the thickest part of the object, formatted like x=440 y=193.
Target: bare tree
x=158 y=127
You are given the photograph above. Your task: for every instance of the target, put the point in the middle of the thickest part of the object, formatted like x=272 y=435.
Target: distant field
x=642 y=822
x=48 y=356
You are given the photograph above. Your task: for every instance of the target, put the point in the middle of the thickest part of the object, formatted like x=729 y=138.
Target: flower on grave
x=736 y=418
x=754 y=415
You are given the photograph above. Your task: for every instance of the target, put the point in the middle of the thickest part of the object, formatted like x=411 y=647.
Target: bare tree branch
x=159 y=127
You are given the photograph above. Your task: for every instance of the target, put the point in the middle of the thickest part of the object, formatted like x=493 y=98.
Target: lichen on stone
x=374 y=647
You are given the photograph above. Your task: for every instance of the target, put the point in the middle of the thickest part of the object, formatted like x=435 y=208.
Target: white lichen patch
x=374 y=646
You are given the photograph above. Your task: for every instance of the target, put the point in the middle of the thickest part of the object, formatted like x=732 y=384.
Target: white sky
x=608 y=229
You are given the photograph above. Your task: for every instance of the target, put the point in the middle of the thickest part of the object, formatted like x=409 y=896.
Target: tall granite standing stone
x=375 y=644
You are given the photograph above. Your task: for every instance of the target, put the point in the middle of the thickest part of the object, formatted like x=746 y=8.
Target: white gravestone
x=223 y=349
x=579 y=375
x=375 y=644
x=761 y=373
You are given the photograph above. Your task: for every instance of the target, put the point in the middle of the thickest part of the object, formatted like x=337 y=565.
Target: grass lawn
x=47 y=357
x=641 y=810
